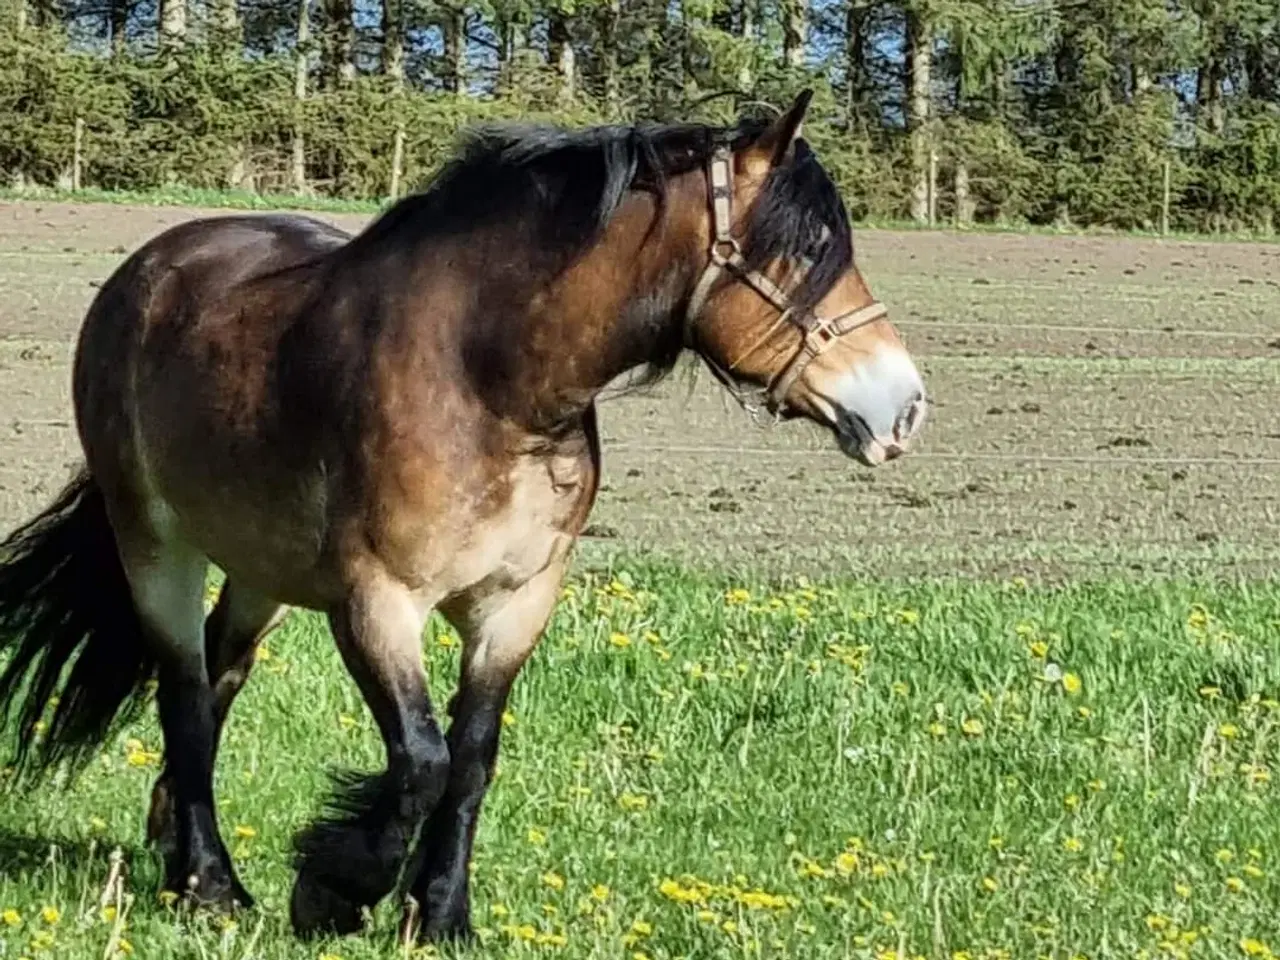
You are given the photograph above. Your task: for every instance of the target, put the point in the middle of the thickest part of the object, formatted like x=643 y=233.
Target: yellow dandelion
x=1071 y=683
x=707 y=916
x=1039 y=649
x=553 y=880
x=245 y=832
x=1072 y=845
x=1072 y=801
x=51 y=915
x=620 y=640
x=124 y=946
x=972 y=727
x=97 y=824
x=1254 y=948
x=990 y=884
x=600 y=892
x=1225 y=855
x=1235 y=884
x=1157 y=921
x=737 y=596
x=1228 y=731
x=11 y=918
x=447 y=640
x=498 y=911
x=846 y=863
x=1183 y=890
x=633 y=801
x=937 y=729
x=108 y=914
x=330 y=956
x=536 y=837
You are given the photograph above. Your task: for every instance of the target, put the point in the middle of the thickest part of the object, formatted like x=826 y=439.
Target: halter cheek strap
x=817 y=334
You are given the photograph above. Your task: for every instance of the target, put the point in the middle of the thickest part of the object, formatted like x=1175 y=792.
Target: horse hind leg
x=240 y=620
x=353 y=860
x=167 y=582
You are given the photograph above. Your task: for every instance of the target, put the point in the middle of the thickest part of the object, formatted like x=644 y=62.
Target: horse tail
x=65 y=600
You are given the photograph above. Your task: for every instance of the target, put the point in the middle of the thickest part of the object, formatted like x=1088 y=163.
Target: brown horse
x=382 y=425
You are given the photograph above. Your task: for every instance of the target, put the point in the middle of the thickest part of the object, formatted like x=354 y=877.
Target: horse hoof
x=441 y=928
x=316 y=909
x=218 y=895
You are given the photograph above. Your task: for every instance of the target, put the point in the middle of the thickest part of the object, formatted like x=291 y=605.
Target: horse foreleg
x=499 y=633
x=353 y=860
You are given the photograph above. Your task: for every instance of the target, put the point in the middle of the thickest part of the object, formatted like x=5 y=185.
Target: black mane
x=567 y=184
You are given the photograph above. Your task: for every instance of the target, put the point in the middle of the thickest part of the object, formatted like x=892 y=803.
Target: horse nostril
x=908 y=418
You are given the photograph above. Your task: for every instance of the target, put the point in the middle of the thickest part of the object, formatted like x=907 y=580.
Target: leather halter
x=817 y=334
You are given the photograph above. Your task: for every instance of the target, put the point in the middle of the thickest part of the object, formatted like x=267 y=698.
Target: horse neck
x=618 y=308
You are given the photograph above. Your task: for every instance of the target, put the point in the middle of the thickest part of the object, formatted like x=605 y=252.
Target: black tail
x=64 y=598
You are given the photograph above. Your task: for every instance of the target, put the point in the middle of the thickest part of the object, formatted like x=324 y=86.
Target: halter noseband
x=817 y=334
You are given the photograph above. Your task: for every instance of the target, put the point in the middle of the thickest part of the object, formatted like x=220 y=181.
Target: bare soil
x=1100 y=405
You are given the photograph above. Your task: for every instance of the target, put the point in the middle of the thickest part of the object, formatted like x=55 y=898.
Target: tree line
x=1147 y=114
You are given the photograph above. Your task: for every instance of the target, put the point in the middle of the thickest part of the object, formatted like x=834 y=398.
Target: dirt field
x=1101 y=406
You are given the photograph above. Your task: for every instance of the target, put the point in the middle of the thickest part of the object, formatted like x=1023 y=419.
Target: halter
x=817 y=334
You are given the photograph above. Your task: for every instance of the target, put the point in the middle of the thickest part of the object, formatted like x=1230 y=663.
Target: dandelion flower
x=620 y=640
x=245 y=832
x=990 y=884
x=51 y=915
x=536 y=837
x=1228 y=731
x=972 y=727
x=1072 y=845
x=11 y=918
x=1235 y=884
x=1071 y=683
x=553 y=880
x=1254 y=948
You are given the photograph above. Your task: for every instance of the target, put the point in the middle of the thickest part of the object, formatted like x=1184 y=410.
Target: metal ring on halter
x=817 y=334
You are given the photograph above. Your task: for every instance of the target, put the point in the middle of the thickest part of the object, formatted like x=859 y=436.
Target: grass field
x=700 y=767
x=1026 y=705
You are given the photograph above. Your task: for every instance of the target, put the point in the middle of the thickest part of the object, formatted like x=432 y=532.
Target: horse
x=398 y=421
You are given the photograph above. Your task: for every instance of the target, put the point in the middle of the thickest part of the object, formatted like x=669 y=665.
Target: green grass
x=942 y=769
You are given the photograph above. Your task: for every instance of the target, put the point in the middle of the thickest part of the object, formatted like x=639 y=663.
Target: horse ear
x=780 y=138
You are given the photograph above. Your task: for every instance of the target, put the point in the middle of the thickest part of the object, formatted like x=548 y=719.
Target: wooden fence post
x=1166 y=198
x=77 y=156
x=397 y=161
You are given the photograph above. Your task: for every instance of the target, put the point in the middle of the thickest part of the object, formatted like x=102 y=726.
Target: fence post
x=1166 y=198
x=397 y=160
x=933 y=186
x=77 y=156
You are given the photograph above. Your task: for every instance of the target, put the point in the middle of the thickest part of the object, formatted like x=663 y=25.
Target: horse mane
x=565 y=185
